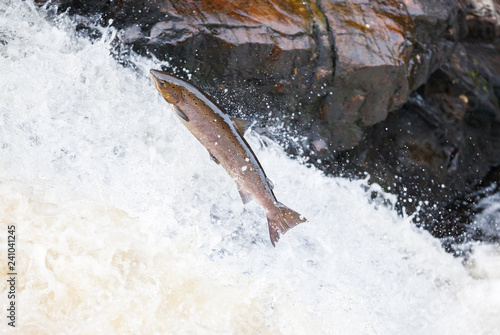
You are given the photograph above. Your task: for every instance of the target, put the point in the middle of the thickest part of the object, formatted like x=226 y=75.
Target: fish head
x=169 y=86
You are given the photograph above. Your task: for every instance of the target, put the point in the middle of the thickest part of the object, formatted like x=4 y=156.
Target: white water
x=487 y=221
x=125 y=226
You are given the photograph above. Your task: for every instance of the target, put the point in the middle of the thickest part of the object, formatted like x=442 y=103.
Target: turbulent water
x=125 y=226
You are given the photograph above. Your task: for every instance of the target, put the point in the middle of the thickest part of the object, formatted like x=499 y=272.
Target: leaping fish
x=222 y=136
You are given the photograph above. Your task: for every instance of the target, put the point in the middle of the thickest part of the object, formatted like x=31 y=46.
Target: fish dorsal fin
x=271 y=185
x=241 y=125
x=213 y=158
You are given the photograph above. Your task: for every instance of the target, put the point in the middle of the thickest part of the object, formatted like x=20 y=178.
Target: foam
x=126 y=226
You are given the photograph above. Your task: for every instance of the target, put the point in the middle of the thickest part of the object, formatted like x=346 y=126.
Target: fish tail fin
x=282 y=220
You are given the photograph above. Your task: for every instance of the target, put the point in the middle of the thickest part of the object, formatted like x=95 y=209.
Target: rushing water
x=125 y=226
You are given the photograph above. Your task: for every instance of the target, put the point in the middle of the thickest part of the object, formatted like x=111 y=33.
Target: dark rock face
x=405 y=90
x=373 y=48
x=444 y=141
x=446 y=138
x=279 y=57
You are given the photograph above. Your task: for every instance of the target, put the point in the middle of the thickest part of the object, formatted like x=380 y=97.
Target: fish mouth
x=162 y=82
x=161 y=75
x=154 y=77
x=154 y=73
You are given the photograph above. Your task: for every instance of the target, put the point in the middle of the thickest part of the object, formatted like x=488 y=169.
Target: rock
x=438 y=26
x=483 y=19
x=269 y=59
x=372 y=44
x=277 y=58
x=442 y=143
x=383 y=51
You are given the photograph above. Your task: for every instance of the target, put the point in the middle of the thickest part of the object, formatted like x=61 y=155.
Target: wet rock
x=483 y=19
x=384 y=49
x=373 y=47
x=438 y=26
x=442 y=143
x=278 y=58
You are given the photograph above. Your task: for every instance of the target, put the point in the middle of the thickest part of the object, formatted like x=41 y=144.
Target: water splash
x=126 y=226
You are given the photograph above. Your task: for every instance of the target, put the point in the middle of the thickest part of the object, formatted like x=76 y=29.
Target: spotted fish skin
x=223 y=138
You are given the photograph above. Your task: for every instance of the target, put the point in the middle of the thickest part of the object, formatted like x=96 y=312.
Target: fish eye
x=162 y=83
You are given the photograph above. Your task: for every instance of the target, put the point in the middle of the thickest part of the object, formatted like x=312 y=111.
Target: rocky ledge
x=404 y=90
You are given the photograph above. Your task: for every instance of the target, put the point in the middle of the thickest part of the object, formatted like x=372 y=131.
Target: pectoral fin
x=180 y=113
x=245 y=196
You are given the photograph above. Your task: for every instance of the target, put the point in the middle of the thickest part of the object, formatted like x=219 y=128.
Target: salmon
x=223 y=137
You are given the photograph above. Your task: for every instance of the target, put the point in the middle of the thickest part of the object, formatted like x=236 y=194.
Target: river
x=125 y=226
